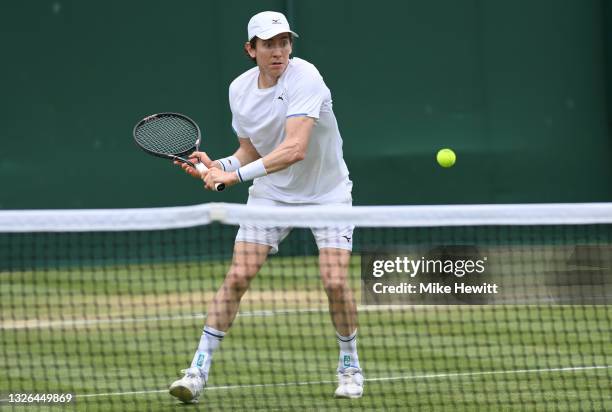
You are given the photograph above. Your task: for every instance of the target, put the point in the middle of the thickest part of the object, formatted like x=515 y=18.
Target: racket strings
x=168 y=135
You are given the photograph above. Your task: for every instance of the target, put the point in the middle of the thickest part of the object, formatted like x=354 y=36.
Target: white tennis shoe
x=189 y=388
x=350 y=384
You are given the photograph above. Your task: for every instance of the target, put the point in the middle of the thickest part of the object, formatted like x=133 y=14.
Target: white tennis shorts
x=340 y=237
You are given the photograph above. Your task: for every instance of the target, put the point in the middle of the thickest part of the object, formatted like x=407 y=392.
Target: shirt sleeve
x=235 y=123
x=236 y=127
x=306 y=94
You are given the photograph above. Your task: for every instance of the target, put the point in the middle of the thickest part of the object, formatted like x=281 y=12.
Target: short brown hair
x=253 y=43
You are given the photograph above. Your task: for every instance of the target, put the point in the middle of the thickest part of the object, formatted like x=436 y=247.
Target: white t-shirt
x=261 y=114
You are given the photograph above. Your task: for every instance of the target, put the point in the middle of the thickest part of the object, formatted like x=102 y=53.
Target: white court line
x=44 y=324
x=19 y=324
x=67 y=323
x=379 y=379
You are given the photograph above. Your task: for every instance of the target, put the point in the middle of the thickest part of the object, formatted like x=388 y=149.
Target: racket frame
x=181 y=157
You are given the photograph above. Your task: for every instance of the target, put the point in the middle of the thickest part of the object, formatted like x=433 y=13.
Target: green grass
x=424 y=358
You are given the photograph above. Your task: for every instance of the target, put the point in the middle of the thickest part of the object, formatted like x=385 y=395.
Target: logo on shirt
x=282 y=96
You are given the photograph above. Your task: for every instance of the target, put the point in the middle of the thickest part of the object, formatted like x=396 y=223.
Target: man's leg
x=248 y=259
x=246 y=262
x=334 y=265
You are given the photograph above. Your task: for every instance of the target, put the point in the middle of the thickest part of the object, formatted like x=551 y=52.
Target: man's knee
x=247 y=261
x=238 y=279
x=335 y=284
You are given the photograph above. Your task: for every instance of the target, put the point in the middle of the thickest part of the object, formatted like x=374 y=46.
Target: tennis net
x=459 y=307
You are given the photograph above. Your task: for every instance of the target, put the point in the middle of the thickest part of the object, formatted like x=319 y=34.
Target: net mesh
x=109 y=305
x=167 y=134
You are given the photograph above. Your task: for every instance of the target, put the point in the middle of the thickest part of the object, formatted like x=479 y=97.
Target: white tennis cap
x=268 y=24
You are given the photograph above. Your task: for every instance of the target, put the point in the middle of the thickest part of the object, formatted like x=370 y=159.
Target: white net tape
x=80 y=220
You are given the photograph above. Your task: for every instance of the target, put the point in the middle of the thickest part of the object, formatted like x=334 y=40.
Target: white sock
x=210 y=340
x=348 y=351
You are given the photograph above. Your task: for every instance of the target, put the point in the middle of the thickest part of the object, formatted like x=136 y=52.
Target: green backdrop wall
x=517 y=88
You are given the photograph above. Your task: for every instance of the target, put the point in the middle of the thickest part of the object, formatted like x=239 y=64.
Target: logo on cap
x=268 y=24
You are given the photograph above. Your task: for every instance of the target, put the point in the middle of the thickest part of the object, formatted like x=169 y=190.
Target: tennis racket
x=172 y=136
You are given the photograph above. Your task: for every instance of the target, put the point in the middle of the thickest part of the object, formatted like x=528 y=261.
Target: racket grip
x=202 y=168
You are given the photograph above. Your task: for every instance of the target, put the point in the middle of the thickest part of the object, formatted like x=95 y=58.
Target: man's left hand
x=214 y=175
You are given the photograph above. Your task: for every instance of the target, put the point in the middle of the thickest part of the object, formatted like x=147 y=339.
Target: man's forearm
x=240 y=157
x=288 y=153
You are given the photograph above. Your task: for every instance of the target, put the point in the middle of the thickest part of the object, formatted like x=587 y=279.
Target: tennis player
x=290 y=147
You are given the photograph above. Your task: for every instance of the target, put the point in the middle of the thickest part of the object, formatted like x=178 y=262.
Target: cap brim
x=268 y=34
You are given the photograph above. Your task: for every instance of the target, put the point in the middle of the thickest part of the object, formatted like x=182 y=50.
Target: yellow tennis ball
x=446 y=157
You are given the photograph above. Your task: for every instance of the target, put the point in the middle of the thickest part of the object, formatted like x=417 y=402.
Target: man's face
x=272 y=55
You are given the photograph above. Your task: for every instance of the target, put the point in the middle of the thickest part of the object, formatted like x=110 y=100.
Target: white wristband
x=229 y=164
x=252 y=171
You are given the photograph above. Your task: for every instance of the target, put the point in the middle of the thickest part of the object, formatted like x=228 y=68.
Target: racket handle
x=202 y=168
